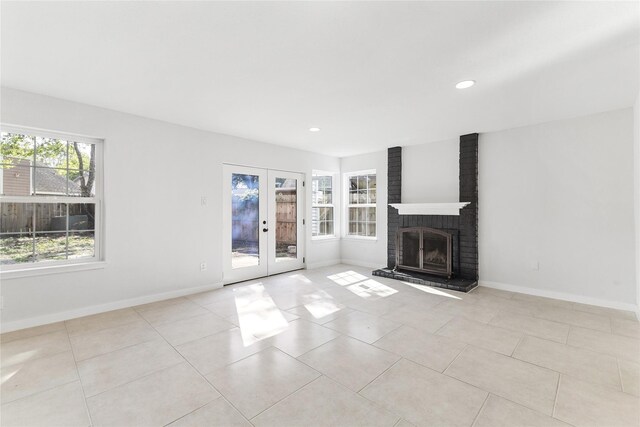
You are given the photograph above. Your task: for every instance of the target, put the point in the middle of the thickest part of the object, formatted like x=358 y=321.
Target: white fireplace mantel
x=429 y=208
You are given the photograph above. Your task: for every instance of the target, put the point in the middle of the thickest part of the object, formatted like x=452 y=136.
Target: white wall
x=636 y=196
x=431 y=172
x=157 y=232
x=365 y=252
x=560 y=194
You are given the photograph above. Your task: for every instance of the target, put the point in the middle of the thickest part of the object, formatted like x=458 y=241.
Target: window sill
x=362 y=238
x=51 y=269
x=325 y=239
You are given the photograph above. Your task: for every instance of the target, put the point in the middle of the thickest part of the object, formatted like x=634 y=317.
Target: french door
x=263 y=225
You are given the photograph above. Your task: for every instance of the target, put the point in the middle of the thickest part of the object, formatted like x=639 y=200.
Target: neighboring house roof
x=50 y=182
x=17 y=179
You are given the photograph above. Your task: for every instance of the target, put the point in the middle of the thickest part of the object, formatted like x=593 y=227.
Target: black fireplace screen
x=424 y=249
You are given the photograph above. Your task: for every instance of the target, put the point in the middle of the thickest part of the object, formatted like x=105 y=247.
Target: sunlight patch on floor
x=20 y=358
x=258 y=315
x=432 y=291
x=301 y=277
x=347 y=278
x=321 y=304
x=6 y=377
x=370 y=289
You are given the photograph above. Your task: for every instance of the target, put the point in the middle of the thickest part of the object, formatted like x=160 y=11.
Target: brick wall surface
x=464 y=228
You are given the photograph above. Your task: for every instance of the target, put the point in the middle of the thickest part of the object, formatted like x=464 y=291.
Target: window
x=361 y=204
x=50 y=189
x=322 y=209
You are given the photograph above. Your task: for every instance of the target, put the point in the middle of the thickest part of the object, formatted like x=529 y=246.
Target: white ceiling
x=370 y=74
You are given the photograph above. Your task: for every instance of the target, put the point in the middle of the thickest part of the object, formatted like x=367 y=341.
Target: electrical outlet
x=203 y=201
x=203 y=266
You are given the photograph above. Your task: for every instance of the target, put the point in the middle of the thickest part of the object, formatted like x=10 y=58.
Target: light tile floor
x=331 y=346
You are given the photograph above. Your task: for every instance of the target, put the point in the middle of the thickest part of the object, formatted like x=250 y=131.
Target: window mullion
x=66 y=243
x=33 y=233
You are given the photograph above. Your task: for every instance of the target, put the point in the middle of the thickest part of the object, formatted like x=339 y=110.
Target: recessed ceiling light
x=465 y=84
x=314 y=129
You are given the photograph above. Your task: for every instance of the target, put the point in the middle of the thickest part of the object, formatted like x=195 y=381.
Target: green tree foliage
x=72 y=159
x=250 y=182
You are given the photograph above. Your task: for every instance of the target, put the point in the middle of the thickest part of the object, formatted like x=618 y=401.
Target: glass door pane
x=286 y=228
x=286 y=191
x=245 y=220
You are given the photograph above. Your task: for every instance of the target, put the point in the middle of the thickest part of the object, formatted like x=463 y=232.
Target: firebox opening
x=424 y=249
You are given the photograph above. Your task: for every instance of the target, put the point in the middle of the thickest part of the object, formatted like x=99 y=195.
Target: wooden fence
x=19 y=217
x=245 y=217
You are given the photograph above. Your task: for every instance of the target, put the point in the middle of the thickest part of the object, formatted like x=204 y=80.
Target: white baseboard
x=323 y=264
x=101 y=308
x=561 y=296
x=359 y=263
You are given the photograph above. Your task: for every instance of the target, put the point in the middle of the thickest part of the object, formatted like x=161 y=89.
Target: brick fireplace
x=462 y=275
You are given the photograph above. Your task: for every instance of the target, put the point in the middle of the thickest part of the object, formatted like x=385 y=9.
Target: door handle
x=265 y=230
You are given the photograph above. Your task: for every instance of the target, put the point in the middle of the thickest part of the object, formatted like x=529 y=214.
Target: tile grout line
x=41 y=391
x=189 y=363
x=314 y=348
x=555 y=400
x=499 y=395
x=620 y=374
x=221 y=397
x=393 y=411
x=527 y=407
x=189 y=413
x=442 y=327
x=3 y=342
x=246 y=357
x=84 y=394
x=349 y=337
x=40 y=357
x=454 y=359
x=135 y=379
x=486 y=399
x=117 y=349
x=280 y=400
x=379 y=375
x=589 y=381
x=389 y=332
x=590 y=349
x=103 y=330
x=522 y=337
x=73 y=335
x=193 y=316
x=566 y=337
x=150 y=373
x=139 y=311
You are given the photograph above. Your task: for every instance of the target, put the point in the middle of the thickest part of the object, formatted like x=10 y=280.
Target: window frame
x=347 y=204
x=9 y=271
x=332 y=205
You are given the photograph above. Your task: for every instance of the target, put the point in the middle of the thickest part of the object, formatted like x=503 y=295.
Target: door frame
x=267 y=255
